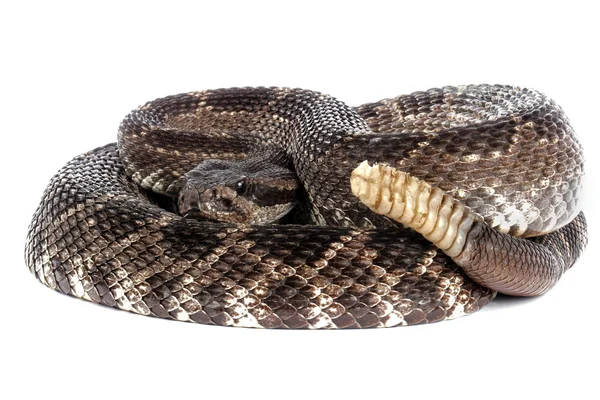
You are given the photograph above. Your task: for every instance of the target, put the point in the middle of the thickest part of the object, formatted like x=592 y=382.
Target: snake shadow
x=503 y=301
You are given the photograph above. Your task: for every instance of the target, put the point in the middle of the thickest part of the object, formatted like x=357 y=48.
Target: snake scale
x=456 y=193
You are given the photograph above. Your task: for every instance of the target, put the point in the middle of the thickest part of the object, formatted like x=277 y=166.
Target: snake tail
x=508 y=264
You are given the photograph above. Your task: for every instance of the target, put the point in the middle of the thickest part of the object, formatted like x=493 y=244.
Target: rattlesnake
x=484 y=163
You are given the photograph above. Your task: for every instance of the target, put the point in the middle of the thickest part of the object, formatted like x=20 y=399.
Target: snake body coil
x=502 y=158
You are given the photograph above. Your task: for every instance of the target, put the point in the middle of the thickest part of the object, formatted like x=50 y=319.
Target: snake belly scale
x=490 y=174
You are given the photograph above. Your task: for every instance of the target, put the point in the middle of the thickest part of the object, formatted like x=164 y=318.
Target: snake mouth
x=240 y=210
x=225 y=209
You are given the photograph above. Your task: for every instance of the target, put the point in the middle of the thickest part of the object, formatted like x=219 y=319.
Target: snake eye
x=241 y=186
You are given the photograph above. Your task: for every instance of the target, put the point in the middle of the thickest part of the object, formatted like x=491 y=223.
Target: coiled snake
x=478 y=187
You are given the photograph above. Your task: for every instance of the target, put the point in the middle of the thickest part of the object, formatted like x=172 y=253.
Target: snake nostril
x=226 y=203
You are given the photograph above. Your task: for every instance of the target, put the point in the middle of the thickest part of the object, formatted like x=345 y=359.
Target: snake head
x=228 y=191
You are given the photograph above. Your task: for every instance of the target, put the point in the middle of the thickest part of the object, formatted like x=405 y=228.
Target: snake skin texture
x=99 y=234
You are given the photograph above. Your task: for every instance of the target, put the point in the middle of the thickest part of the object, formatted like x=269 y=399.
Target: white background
x=71 y=71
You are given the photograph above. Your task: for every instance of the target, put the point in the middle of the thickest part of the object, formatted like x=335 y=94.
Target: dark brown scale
x=97 y=235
